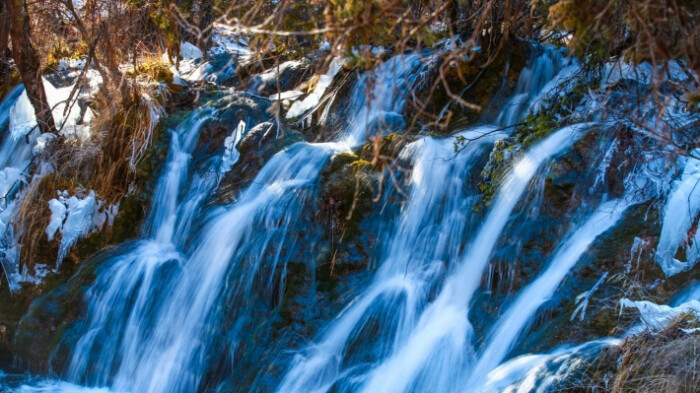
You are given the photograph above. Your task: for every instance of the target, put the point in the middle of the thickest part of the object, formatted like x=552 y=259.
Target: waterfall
x=437 y=347
x=534 y=80
x=123 y=298
x=155 y=310
x=164 y=212
x=180 y=309
x=436 y=214
x=409 y=270
x=522 y=310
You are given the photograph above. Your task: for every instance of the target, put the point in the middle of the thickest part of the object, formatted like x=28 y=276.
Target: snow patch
x=71 y=64
x=272 y=74
x=298 y=108
x=42 y=142
x=680 y=212
x=286 y=95
x=657 y=317
x=189 y=51
x=58 y=215
x=75 y=217
x=75 y=123
x=226 y=40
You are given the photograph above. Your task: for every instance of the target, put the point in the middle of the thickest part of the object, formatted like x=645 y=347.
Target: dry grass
x=666 y=361
x=125 y=137
x=106 y=163
x=33 y=217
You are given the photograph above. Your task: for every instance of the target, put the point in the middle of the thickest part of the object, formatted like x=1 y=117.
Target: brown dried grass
x=106 y=163
x=665 y=361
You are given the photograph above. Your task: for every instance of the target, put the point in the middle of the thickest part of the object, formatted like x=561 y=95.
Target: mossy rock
x=341 y=160
x=50 y=315
x=346 y=192
x=384 y=149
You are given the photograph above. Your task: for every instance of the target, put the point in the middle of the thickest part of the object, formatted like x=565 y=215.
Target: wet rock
x=477 y=81
x=346 y=192
x=43 y=341
x=257 y=146
x=273 y=80
x=231 y=109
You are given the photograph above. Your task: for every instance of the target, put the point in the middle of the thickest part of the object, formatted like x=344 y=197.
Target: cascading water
x=437 y=214
x=531 y=83
x=536 y=373
x=132 y=282
x=168 y=312
x=411 y=332
x=154 y=310
x=437 y=350
x=522 y=310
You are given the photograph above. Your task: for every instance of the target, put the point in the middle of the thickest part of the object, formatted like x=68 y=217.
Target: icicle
x=231 y=154
x=582 y=300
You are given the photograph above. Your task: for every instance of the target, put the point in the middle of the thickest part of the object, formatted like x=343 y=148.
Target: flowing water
x=438 y=348
x=437 y=214
x=423 y=344
x=508 y=328
x=170 y=308
x=153 y=311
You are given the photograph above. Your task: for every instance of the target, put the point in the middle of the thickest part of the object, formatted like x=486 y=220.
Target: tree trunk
x=27 y=62
x=5 y=69
x=205 y=24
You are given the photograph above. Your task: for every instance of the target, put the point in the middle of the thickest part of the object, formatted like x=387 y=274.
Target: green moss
x=12 y=81
x=340 y=160
x=158 y=71
x=346 y=155
x=385 y=148
x=538 y=126
x=360 y=165
x=533 y=128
